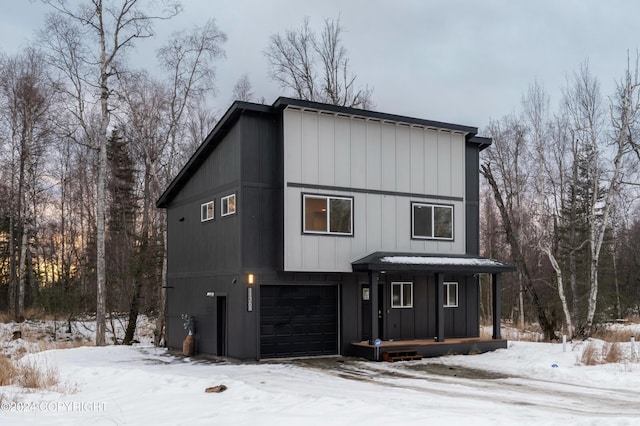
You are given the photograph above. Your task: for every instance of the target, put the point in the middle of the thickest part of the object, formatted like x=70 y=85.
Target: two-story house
x=304 y=229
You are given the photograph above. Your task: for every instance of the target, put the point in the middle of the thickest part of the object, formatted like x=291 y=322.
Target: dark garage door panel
x=298 y=321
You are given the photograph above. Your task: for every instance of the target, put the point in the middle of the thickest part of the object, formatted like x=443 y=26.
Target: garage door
x=298 y=321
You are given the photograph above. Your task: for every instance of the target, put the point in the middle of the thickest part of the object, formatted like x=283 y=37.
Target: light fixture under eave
x=250 y=278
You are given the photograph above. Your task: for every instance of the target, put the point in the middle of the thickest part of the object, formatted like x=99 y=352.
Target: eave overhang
x=430 y=263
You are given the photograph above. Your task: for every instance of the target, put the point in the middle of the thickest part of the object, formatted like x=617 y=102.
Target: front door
x=221 y=325
x=381 y=311
x=366 y=311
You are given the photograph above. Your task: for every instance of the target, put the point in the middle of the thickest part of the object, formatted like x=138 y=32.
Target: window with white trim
x=450 y=295
x=228 y=205
x=206 y=211
x=327 y=215
x=402 y=294
x=431 y=221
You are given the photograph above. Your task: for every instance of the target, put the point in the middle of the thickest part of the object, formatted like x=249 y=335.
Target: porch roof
x=387 y=261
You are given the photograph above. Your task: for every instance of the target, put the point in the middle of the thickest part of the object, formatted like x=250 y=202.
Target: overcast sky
x=462 y=62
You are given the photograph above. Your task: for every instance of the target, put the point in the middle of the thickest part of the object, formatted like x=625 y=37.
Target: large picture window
x=402 y=295
x=206 y=211
x=450 y=295
x=327 y=215
x=431 y=221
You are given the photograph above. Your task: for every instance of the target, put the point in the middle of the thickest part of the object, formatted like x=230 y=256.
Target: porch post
x=497 y=314
x=439 y=307
x=373 y=295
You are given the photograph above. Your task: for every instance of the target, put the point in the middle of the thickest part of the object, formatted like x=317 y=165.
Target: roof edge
x=283 y=102
x=483 y=142
x=229 y=117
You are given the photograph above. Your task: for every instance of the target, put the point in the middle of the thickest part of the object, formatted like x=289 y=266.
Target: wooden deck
x=429 y=348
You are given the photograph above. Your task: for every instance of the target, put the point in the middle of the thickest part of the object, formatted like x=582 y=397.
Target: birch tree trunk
x=116 y=24
x=624 y=115
x=561 y=294
x=22 y=273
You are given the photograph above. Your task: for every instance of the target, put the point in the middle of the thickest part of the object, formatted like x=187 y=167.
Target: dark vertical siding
x=213 y=246
x=351 y=309
x=463 y=320
x=472 y=199
x=258 y=205
x=188 y=296
x=217 y=255
x=423 y=293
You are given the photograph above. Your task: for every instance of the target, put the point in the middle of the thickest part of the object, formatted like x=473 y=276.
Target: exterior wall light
x=250 y=281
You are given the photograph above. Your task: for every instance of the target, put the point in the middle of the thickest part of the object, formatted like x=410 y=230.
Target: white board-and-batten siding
x=350 y=152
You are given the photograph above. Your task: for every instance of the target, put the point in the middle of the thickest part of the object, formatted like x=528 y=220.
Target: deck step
x=406 y=355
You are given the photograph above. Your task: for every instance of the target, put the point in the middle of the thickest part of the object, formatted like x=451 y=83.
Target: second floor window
x=206 y=211
x=228 y=205
x=327 y=215
x=431 y=221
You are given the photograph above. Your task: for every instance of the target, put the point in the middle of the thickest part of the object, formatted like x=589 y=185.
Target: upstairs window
x=402 y=295
x=228 y=205
x=327 y=215
x=206 y=211
x=450 y=295
x=431 y=221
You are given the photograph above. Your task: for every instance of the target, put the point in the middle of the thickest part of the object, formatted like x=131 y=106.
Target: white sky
x=457 y=61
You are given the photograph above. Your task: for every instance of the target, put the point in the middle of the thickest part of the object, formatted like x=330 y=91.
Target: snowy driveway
x=527 y=384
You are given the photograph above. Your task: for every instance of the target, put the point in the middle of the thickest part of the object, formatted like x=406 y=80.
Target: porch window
x=431 y=221
x=450 y=295
x=327 y=215
x=206 y=211
x=402 y=295
x=228 y=205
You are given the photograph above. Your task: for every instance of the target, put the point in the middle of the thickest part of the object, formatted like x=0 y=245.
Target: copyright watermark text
x=53 y=406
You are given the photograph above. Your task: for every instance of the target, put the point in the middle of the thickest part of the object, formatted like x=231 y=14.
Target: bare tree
x=242 y=91
x=599 y=158
x=87 y=45
x=28 y=98
x=548 y=144
x=624 y=117
x=158 y=118
x=507 y=172
x=316 y=69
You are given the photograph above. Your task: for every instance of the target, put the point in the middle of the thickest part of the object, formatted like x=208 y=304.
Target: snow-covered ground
x=528 y=383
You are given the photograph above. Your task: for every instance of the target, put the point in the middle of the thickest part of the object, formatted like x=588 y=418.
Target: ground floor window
x=451 y=295
x=402 y=295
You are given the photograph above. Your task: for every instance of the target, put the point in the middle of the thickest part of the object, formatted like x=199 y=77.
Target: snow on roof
x=429 y=260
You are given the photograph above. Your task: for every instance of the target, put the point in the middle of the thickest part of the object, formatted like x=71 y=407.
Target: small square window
x=228 y=205
x=206 y=211
x=450 y=295
x=402 y=295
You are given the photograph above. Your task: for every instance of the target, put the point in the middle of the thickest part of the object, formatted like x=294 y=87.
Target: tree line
x=88 y=142
x=564 y=194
